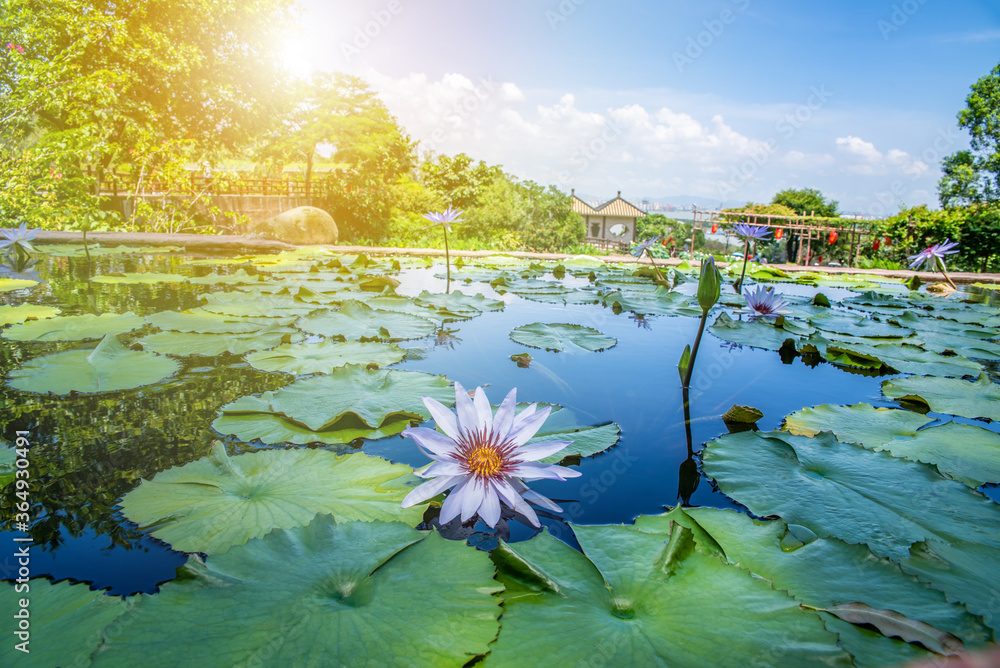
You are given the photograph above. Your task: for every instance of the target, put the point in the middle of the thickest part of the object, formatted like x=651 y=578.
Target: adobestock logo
x=363 y=35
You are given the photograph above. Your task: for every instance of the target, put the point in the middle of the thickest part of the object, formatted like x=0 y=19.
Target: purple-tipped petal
x=522 y=433
x=489 y=510
x=507 y=493
x=452 y=505
x=523 y=415
x=528 y=512
x=443 y=417
x=538 y=471
x=504 y=419
x=535 y=451
x=444 y=469
x=467 y=418
x=472 y=497
x=543 y=501
x=483 y=410
x=431 y=440
x=429 y=490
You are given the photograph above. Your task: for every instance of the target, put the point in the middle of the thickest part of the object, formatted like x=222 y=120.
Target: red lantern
x=833 y=237
x=876 y=245
x=778 y=233
x=888 y=242
x=715 y=228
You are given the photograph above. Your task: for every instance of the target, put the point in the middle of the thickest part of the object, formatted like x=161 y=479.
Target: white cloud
x=644 y=144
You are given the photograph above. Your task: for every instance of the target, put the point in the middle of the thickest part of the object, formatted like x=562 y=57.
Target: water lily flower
x=764 y=301
x=444 y=218
x=748 y=232
x=483 y=458
x=644 y=246
x=933 y=258
x=19 y=238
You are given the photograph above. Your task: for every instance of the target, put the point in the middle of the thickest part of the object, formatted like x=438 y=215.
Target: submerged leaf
x=892 y=624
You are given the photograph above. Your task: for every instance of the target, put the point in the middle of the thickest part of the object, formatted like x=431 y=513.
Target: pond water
x=88 y=450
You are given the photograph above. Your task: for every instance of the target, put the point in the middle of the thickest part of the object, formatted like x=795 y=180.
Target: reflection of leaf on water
x=639 y=320
x=446 y=338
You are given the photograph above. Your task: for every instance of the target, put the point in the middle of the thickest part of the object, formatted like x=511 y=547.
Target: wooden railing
x=208 y=184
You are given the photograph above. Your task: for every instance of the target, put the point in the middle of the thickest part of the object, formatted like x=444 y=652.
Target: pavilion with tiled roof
x=600 y=220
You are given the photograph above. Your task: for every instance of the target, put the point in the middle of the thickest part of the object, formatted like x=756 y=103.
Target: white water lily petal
x=443 y=417
x=537 y=471
x=467 y=417
x=452 y=505
x=504 y=419
x=536 y=451
x=483 y=411
x=428 y=439
x=543 y=501
x=489 y=511
x=472 y=498
x=429 y=490
x=444 y=468
x=528 y=512
x=523 y=415
x=507 y=493
x=523 y=432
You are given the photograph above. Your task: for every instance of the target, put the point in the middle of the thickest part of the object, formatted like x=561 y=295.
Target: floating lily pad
x=206 y=322
x=240 y=276
x=257 y=306
x=820 y=572
x=325 y=594
x=139 y=278
x=848 y=492
x=960 y=451
x=8 y=284
x=71 y=613
x=74 y=327
x=218 y=501
x=347 y=404
x=356 y=320
x=213 y=345
x=965 y=572
x=18 y=314
x=742 y=415
x=659 y=301
x=325 y=356
x=901 y=357
x=563 y=425
x=562 y=337
x=979 y=399
x=635 y=599
x=109 y=366
x=760 y=333
x=458 y=304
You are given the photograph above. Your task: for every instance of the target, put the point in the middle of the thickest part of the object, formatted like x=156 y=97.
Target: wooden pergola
x=809 y=228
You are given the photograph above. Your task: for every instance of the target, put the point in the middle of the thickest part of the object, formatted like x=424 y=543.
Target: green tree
x=973 y=176
x=96 y=84
x=458 y=180
x=807 y=201
x=342 y=112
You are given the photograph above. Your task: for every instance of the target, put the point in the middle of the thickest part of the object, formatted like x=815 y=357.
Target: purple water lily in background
x=443 y=219
x=644 y=246
x=483 y=458
x=933 y=258
x=19 y=238
x=748 y=232
x=764 y=301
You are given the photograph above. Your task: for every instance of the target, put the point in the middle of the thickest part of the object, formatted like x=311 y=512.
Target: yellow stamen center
x=484 y=460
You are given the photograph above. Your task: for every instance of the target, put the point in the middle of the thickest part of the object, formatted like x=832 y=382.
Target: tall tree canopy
x=973 y=176
x=807 y=201
x=98 y=83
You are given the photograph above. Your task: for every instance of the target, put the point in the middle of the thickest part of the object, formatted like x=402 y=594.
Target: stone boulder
x=303 y=226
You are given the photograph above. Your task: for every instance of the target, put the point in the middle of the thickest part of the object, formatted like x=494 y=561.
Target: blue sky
x=728 y=100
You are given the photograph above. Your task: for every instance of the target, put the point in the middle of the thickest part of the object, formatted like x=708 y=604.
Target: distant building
x=617 y=215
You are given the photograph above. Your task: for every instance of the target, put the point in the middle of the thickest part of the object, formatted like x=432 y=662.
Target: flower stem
x=447 y=257
x=659 y=275
x=694 y=348
x=746 y=254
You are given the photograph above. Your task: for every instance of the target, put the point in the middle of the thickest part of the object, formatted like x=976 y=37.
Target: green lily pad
x=658 y=301
x=239 y=277
x=206 y=322
x=8 y=284
x=862 y=424
x=325 y=356
x=109 y=366
x=637 y=599
x=74 y=327
x=139 y=278
x=842 y=322
x=848 y=492
x=356 y=320
x=323 y=595
x=218 y=501
x=256 y=306
x=71 y=613
x=979 y=399
x=821 y=572
x=563 y=425
x=965 y=572
x=213 y=345
x=761 y=333
x=17 y=314
x=742 y=415
x=349 y=403
x=962 y=452
x=901 y=357
x=562 y=337
x=457 y=304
